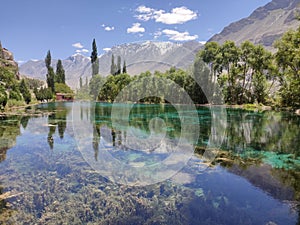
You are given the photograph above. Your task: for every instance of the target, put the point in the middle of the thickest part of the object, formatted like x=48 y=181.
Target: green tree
x=124 y=67
x=288 y=60
x=63 y=88
x=25 y=91
x=209 y=55
x=113 y=66
x=94 y=59
x=230 y=56
x=50 y=76
x=3 y=97
x=80 y=82
x=119 y=65
x=50 y=79
x=60 y=73
x=48 y=59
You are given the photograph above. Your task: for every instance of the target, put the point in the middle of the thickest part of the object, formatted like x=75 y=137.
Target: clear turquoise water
x=255 y=178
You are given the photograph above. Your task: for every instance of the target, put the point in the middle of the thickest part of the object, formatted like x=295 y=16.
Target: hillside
x=139 y=57
x=264 y=25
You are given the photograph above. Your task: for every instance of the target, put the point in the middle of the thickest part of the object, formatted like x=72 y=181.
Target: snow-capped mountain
x=139 y=57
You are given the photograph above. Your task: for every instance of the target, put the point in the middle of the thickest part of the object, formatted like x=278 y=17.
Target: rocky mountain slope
x=264 y=25
x=139 y=57
x=7 y=61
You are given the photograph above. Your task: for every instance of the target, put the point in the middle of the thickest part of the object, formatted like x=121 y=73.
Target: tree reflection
x=9 y=130
x=57 y=119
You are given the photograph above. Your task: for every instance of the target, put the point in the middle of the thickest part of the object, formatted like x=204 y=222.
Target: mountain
x=7 y=61
x=265 y=25
x=139 y=57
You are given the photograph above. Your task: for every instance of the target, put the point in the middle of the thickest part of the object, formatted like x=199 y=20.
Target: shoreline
x=20 y=110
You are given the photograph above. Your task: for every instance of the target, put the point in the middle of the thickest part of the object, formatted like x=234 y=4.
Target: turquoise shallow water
x=253 y=179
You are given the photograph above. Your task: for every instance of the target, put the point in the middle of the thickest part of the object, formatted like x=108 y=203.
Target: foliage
x=3 y=97
x=50 y=79
x=25 y=91
x=7 y=77
x=242 y=71
x=43 y=94
x=33 y=83
x=50 y=76
x=48 y=59
x=288 y=59
x=63 y=88
x=60 y=73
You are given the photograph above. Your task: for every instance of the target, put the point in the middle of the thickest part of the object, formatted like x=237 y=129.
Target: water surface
x=254 y=179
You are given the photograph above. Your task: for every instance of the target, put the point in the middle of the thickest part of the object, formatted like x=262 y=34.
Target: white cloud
x=202 y=42
x=177 y=15
x=82 y=50
x=106 y=49
x=108 y=28
x=136 y=28
x=77 y=45
x=179 y=36
x=144 y=9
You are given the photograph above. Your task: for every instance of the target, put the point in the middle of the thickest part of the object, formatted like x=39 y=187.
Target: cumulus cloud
x=136 y=28
x=179 y=36
x=178 y=15
x=77 y=45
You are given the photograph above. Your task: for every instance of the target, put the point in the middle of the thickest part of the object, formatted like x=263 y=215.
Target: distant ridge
x=140 y=57
x=265 y=25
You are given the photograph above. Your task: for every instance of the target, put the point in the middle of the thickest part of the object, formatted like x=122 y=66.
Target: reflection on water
x=255 y=178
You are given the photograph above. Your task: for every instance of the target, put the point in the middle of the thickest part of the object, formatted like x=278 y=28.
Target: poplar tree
x=124 y=67
x=50 y=74
x=60 y=73
x=94 y=59
x=118 y=65
x=80 y=82
x=113 y=67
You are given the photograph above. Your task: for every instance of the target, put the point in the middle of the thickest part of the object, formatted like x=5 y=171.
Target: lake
x=98 y=163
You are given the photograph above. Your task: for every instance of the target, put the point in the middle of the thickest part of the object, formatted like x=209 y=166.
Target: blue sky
x=29 y=28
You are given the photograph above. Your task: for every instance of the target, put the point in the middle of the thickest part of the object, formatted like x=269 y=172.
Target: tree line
x=56 y=81
x=246 y=74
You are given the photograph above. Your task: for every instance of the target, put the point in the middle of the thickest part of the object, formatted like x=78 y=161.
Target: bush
x=3 y=97
x=15 y=95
